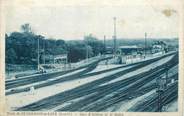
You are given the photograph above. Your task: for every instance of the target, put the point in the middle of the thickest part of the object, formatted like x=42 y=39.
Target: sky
x=74 y=22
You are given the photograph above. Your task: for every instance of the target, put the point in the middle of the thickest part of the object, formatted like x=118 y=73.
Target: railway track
x=121 y=95
x=101 y=93
x=108 y=90
x=23 y=81
x=151 y=105
x=82 y=74
x=38 y=78
x=83 y=90
x=124 y=94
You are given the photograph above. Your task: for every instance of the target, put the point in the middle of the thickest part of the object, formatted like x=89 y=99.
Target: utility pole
x=145 y=45
x=38 y=60
x=44 y=51
x=104 y=44
x=115 y=46
x=87 y=51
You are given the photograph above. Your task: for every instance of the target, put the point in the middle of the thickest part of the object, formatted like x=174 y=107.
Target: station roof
x=129 y=47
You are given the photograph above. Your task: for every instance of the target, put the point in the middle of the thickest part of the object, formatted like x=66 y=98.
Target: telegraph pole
x=115 y=46
x=44 y=51
x=145 y=45
x=38 y=48
x=87 y=51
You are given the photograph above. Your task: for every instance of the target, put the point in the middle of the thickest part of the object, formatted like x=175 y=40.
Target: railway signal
x=166 y=74
x=160 y=90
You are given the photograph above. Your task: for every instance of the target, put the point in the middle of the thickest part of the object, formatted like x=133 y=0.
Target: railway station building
x=130 y=50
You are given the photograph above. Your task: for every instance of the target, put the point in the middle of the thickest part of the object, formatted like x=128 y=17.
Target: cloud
x=70 y=22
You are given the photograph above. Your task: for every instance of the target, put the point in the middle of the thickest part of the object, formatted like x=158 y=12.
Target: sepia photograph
x=92 y=58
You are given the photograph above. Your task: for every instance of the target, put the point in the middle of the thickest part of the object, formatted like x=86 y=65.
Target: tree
x=96 y=45
x=77 y=51
x=60 y=42
x=11 y=56
x=26 y=28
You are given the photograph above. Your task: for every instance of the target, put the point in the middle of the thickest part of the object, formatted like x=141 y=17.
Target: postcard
x=89 y=57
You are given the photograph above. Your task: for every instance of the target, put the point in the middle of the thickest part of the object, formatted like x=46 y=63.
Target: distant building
x=49 y=59
x=159 y=46
x=58 y=59
x=109 y=50
x=130 y=50
x=61 y=59
x=156 y=48
x=129 y=54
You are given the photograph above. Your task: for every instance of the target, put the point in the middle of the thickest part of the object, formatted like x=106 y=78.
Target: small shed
x=61 y=59
x=109 y=50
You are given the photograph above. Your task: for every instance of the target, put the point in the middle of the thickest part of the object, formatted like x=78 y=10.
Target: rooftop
x=133 y=46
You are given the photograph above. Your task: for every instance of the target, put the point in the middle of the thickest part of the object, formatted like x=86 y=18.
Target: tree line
x=22 y=47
